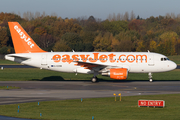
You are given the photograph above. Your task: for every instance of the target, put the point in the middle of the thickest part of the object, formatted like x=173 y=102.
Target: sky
x=97 y=8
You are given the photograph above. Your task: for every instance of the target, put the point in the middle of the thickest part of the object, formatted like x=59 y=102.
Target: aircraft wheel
x=94 y=79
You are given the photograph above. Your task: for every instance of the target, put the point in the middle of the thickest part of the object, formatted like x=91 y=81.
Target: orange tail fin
x=23 y=43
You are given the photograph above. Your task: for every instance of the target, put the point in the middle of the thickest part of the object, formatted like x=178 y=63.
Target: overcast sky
x=98 y=8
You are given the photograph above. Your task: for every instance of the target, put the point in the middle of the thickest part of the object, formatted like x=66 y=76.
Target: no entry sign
x=151 y=103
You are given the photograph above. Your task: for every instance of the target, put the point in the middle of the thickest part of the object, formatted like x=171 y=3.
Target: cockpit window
x=164 y=59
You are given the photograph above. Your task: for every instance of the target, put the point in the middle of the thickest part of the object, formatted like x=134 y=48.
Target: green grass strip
x=100 y=108
x=8 y=87
x=36 y=74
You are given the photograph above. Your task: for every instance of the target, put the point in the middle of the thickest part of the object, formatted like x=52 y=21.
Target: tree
x=132 y=16
x=126 y=16
x=74 y=41
x=167 y=42
x=103 y=42
x=138 y=17
x=3 y=37
x=91 y=19
x=115 y=27
x=135 y=24
x=140 y=46
x=61 y=45
x=122 y=42
x=153 y=46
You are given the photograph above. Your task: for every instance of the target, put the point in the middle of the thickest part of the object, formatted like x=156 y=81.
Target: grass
x=7 y=62
x=8 y=87
x=35 y=74
x=100 y=108
x=175 y=58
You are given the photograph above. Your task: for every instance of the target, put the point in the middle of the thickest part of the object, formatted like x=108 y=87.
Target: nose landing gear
x=150 y=77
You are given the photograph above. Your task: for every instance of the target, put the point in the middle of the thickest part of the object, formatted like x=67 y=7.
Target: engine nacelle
x=118 y=74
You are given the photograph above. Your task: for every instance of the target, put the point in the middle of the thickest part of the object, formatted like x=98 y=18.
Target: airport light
x=119 y=96
x=115 y=96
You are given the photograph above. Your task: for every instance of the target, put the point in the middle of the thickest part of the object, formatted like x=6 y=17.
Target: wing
x=16 y=58
x=20 y=57
x=94 y=66
x=91 y=66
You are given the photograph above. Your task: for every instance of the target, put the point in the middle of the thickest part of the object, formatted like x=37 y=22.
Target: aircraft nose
x=173 y=65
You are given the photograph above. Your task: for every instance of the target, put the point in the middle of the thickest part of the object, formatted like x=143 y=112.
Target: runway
x=36 y=91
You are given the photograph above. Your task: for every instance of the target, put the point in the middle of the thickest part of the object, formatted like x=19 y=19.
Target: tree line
x=117 y=33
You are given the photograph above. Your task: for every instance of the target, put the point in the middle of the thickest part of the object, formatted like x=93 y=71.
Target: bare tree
x=114 y=17
x=173 y=16
x=25 y=16
x=118 y=16
x=168 y=15
x=31 y=15
x=132 y=15
x=109 y=17
x=126 y=16
x=44 y=14
x=37 y=15
x=19 y=13
x=178 y=16
x=53 y=14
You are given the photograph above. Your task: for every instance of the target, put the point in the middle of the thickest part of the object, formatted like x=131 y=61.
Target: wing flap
x=91 y=66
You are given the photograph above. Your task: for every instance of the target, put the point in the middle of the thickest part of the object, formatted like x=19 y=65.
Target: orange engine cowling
x=118 y=73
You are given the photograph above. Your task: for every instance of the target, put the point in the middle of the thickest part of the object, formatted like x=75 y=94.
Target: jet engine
x=117 y=73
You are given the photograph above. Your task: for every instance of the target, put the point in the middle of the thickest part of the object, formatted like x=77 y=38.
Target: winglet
x=23 y=43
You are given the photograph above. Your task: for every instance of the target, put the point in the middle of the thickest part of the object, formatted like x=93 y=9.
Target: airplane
x=116 y=65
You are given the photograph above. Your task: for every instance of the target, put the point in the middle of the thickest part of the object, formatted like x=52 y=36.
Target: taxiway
x=35 y=91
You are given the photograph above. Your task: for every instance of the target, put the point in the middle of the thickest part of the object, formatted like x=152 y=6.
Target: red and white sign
x=151 y=103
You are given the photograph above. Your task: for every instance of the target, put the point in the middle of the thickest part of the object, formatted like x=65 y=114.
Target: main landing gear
x=150 y=77
x=94 y=79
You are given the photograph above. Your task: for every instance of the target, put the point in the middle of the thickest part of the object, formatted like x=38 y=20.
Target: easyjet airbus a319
x=116 y=65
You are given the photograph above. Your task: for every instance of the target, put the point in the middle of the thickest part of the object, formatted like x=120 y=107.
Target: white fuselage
x=135 y=62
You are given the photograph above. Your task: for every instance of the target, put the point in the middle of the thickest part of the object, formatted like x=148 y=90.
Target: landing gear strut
x=150 y=77
x=94 y=79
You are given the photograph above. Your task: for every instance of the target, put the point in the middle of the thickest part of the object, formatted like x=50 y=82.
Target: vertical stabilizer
x=23 y=43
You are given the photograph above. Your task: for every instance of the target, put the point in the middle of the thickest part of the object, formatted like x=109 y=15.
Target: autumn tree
x=114 y=27
x=3 y=37
x=167 y=42
x=74 y=41
x=132 y=15
x=62 y=46
x=103 y=42
x=122 y=42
